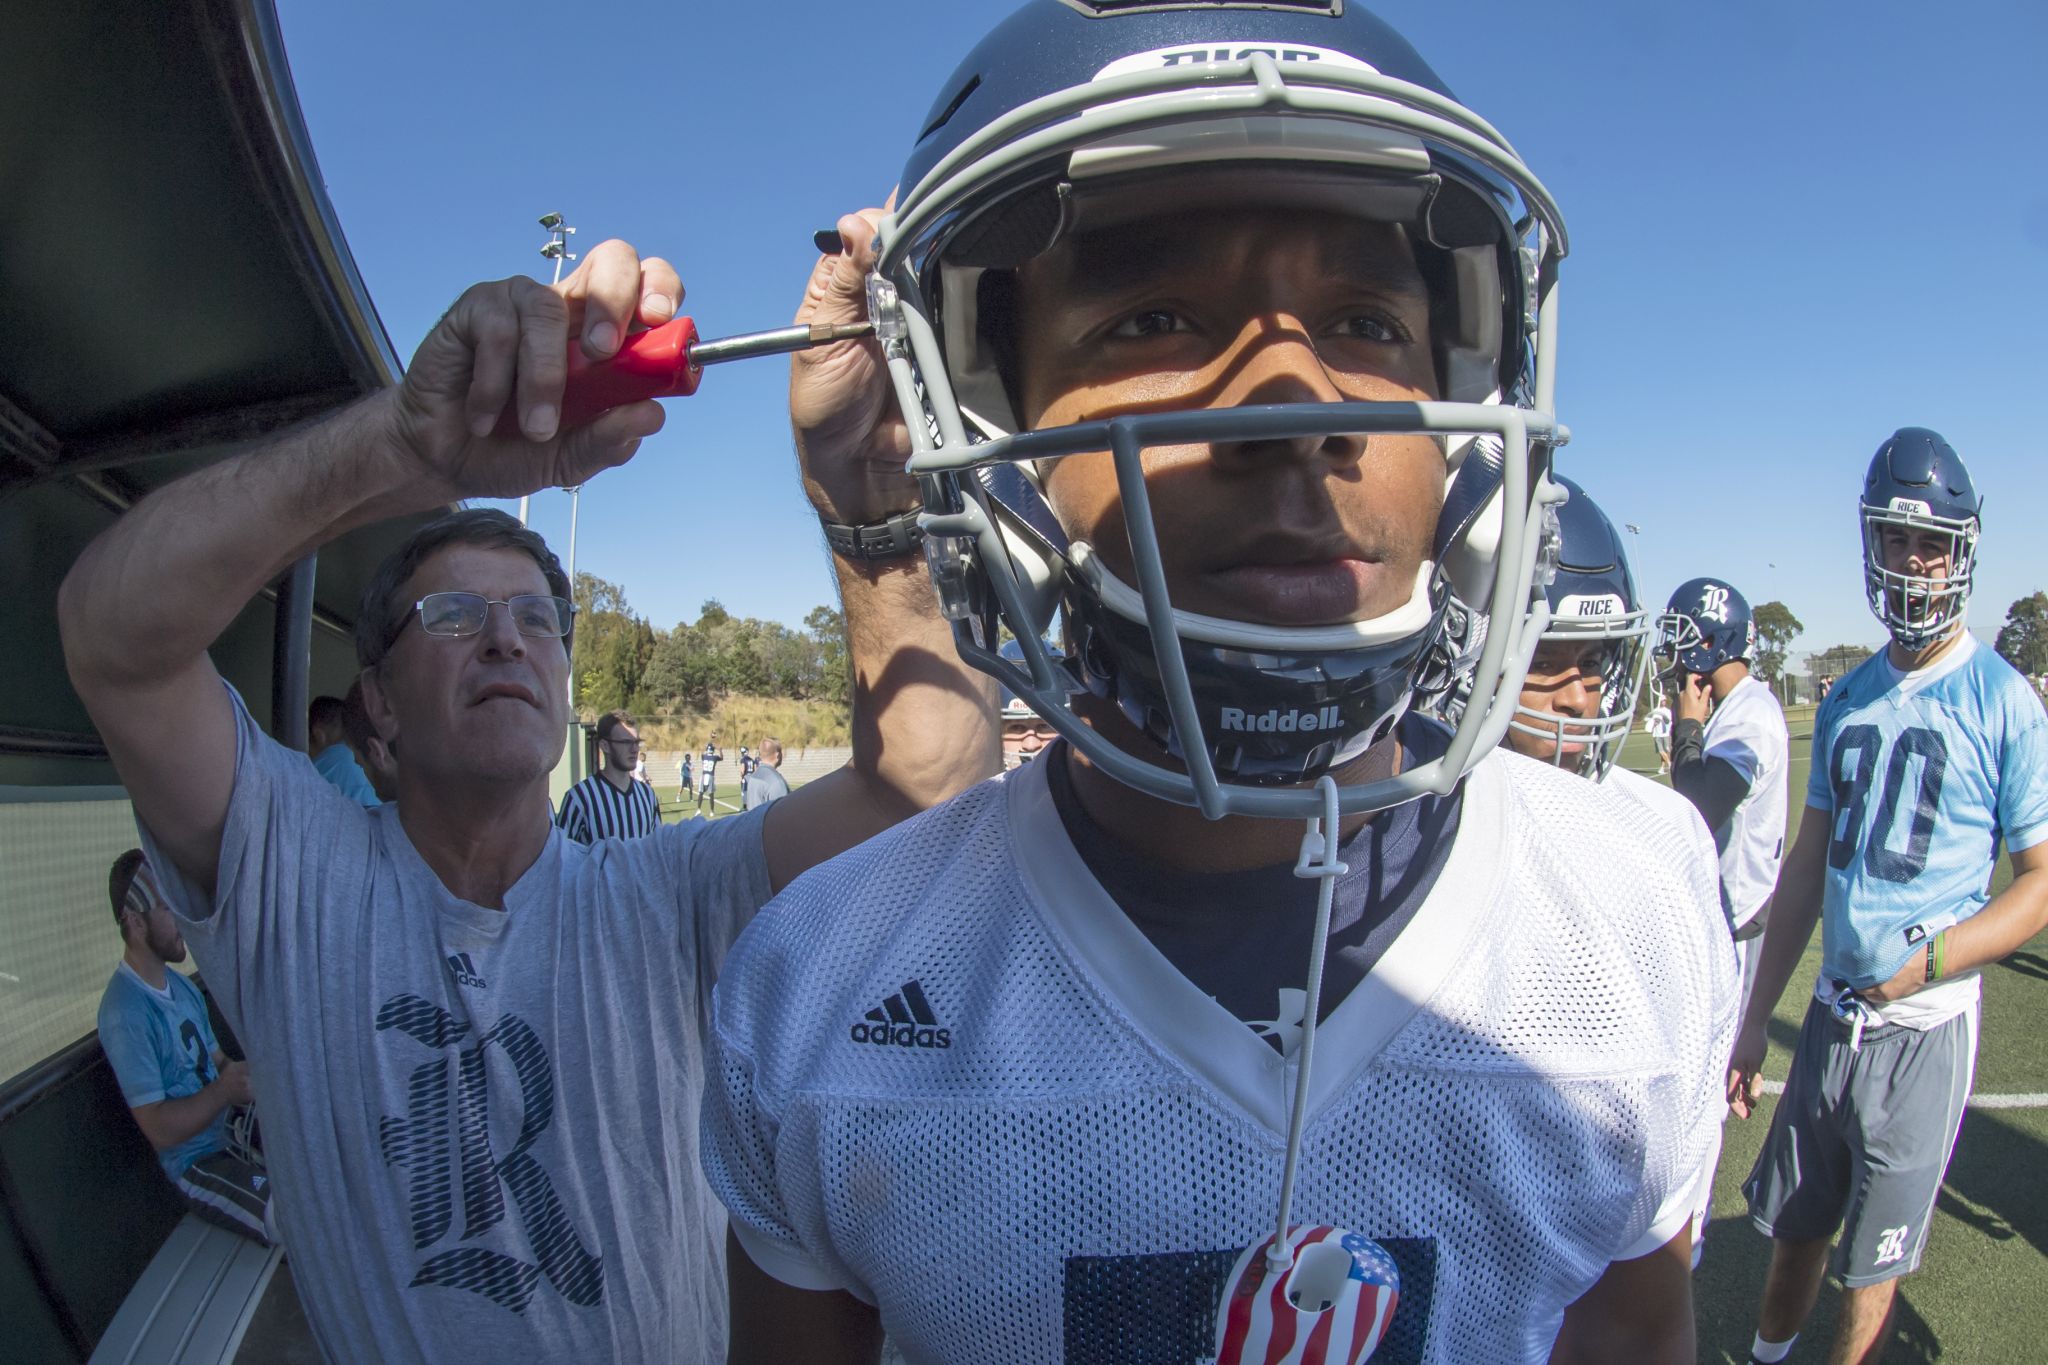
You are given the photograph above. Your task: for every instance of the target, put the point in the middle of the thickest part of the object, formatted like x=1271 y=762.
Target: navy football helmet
x=1706 y=624
x=1593 y=599
x=1917 y=484
x=1075 y=114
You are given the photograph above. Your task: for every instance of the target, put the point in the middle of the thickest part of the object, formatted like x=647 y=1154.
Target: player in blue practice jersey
x=1925 y=759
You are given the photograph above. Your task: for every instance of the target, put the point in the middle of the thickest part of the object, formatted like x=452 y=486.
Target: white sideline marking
x=2037 y=1100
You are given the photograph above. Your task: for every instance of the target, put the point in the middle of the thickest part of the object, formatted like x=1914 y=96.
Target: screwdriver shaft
x=778 y=342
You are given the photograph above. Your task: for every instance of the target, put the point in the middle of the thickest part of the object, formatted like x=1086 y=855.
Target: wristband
x=899 y=535
x=1937 y=957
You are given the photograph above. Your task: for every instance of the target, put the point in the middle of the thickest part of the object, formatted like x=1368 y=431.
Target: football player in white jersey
x=1658 y=726
x=1925 y=758
x=1586 y=676
x=1730 y=751
x=1580 y=698
x=1109 y=1061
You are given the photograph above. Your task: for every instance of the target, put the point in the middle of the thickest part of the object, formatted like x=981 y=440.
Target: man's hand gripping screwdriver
x=668 y=361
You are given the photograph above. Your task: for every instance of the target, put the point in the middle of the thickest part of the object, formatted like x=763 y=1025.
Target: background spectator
x=764 y=783
x=612 y=803
x=327 y=742
x=182 y=1090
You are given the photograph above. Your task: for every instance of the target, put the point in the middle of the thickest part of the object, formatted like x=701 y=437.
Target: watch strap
x=899 y=535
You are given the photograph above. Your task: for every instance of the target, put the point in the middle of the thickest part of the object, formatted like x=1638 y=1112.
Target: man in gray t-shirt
x=765 y=782
x=477 y=1046
x=459 y=1094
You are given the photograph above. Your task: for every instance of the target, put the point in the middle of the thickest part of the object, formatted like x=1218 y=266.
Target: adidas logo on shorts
x=903 y=1020
x=464 y=971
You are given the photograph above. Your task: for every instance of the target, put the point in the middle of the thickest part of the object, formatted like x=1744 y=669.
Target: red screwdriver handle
x=650 y=364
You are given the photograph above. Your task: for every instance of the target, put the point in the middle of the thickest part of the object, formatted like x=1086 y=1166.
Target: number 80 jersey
x=1923 y=775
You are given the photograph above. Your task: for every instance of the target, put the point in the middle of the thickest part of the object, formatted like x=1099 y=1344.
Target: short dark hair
x=608 y=724
x=382 y=615
x=121 y=878
x=326 y=713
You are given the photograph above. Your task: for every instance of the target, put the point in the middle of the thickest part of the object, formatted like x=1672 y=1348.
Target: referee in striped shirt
x=610 y=804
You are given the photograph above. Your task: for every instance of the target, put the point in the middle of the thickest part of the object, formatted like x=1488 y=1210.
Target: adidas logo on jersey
x=903 y=1020
x=464 y=971
x=1277 y=721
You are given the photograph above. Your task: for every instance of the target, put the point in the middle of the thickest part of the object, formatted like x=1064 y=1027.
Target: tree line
x=625 y=663
x=2022 y=641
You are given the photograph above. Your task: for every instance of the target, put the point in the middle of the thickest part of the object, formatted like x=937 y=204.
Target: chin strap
x=1318 y=860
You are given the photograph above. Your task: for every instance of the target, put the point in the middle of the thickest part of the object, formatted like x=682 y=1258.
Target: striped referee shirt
x=594 y=809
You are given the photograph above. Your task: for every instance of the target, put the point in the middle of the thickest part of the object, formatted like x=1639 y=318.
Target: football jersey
x=1747 y=730
x=160 y=1045
x=1923 y=775
x=1660 y=801
x=953 y=1079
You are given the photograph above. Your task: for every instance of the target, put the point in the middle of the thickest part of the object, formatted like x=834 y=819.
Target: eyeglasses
x=453 y=615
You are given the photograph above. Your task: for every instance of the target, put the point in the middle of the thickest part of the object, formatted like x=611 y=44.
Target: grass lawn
x=1982 y=1291
x=726 y=802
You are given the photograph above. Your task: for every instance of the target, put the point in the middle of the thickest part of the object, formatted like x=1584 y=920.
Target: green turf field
x=1982 y=1291
x=726 y=802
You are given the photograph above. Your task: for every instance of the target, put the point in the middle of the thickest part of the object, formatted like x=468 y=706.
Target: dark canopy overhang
x=173 y=286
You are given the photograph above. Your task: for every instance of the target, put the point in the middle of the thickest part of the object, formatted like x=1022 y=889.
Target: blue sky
x=1795 y=228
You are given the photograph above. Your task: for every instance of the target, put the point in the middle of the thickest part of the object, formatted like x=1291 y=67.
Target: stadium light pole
x=556 y=250
x=575 y=501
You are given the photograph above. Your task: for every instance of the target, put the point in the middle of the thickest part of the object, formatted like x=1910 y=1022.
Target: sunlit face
x=622 y=750
x=1921 y=558
x=147 y=908
x=1918 y=551
x=1226 y=309
x=491 y=706
x=1565 y=680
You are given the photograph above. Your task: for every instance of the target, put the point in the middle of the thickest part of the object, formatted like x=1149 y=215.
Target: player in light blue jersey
x=1925 y=759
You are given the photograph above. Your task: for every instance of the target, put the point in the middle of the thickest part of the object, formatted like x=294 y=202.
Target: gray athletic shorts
x=1861 y=1139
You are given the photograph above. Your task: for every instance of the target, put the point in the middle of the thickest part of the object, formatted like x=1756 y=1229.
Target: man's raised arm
x=150 y=595
x=924 y=724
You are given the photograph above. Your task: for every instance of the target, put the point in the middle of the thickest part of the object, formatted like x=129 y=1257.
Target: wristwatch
x=899 y=535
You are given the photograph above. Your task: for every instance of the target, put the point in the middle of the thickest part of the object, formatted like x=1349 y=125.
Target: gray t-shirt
x=482 y=1123
x=764 y=784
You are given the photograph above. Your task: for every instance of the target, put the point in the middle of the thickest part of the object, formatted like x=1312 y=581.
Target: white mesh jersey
x=1747 y=729
x=1666 y=804
x=1662 y=802
x=951 y=1078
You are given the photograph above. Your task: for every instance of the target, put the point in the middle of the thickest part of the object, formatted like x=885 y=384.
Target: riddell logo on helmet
x=1277 y=721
